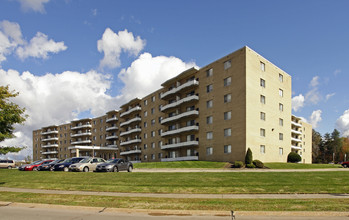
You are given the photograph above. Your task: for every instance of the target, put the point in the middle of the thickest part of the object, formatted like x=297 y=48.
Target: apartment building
x=214 y=113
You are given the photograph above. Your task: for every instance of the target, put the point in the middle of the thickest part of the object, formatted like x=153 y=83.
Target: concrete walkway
x=181 y=196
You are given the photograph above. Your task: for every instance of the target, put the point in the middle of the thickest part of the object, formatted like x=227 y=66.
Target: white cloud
x=39 y=47
x=10 y=38
x=342 y=123
x=113 y=44
x=328 y=96
x=94 y=12
x=147 y=73
x=313 y=96
x=34 y=5
x=337 y=71
x=297 y=102
x=314 y=81
x=315 y=118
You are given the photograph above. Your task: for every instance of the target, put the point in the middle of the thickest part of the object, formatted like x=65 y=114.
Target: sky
x=73 y=59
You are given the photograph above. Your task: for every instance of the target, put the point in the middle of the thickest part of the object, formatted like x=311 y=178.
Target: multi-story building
x=214 y=113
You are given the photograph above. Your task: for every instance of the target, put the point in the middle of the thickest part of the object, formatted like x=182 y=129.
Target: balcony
x=50 y=152
x=137 y=108
x=82 y=126
x=179 y=102
x=112 y=137
x=49 y=132
x=82 y=142
x=131 y=152
x=296 y=147
x=179 y=88
x=180 y=116
x=130 y=142
x=182 y=144
x=130 y=131
x=180 y=130
x=296 y=124
x=296 y=139
x=180 y=159
x=50 y=145
x=82 y=134
x=50 y=139
x=112 y=119
x=112 y=128
x=296 y=132
x=136 y=119
x=112 y=146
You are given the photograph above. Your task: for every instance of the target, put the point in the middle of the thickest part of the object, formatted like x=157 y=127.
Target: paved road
x=15 y=211
x=191 y=196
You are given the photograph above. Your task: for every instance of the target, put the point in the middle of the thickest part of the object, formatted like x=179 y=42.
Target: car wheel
x=116 y=169
x=51 y=169
x=129 y=169
x=35 y=169
x=66 y=169
x=9 y=167
x=85 y=169
x=345 y=166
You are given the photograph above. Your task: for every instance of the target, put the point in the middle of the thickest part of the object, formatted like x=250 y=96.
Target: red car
x=34 y=166
x=345 y=164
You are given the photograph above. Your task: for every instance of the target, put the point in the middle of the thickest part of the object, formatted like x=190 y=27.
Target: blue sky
x=47 y=44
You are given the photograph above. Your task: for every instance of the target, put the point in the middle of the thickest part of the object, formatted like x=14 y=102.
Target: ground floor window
x=209 y=151
x=262 y=149
x=281 y=151
x=227 y=149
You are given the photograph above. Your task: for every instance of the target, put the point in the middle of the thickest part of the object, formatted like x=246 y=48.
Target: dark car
x=49 y=166
x=64 y=166
x=115 y=165
x=345 y=164
x=34 y=166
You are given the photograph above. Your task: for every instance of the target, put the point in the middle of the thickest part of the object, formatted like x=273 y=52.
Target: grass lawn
x=183 y=164
x=300 y=166
x=240 y=182
x=181 y=204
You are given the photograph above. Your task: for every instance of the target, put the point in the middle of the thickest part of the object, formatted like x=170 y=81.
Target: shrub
x=258 y=164
x=248 y=158
x=251 y=165
x=293 y=157
x=238 y=164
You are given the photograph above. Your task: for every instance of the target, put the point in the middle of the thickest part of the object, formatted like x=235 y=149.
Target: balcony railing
x=180 y=130
x=181 y=101
x=130 y=131
x=82 y=142
x=296 y=132
x=112 y=137
x=130 y=121
x=179 y=158
x=180 y=116
x=131 y=152
x=178 y=145
x=296 y=124
x=82 y=134
x=82 y=126
x=130 y=142
x=49 y=132
x=296 y=147
x=50 y=145
x=50 y=139
x=50 y=152
x=179 y=88
x=296 y=139
x=112 y=119
x=112 y=128
x=137 y=108
x=112 y=146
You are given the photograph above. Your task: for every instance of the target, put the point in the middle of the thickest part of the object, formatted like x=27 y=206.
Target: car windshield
x=112 y=160
x=67 y=160
x=36 y=162
x=86 y=160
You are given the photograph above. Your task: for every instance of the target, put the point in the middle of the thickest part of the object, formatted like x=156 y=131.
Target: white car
x=86 y=164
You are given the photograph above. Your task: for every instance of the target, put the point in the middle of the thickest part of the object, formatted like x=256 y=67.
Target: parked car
x=86 y=164
x=115 y=165
x=345 y=164
x=64 y=166
x=8 y=164
x=34 y=166
x=49 y=166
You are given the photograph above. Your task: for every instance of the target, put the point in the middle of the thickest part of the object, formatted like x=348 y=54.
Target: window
x=145 y=124
x=209 y=88
x=209 y=104
x=145 y=102
x=281 y=107
x=153 y=145
x=101 y=137
x=159 y=155
x=227 y=115
x=227 y=81
x=159 y=131
x=152 y=111
x=145 y=113
x=262 y=66
x=227 y=98
x=281 y=151
x=209 y=120
x=227 y=149
x=227 y=132
x=281 y=92
x=262 y=132
x=145 y=135
x=263 y=116
x=209 y=151
x=160 y=119
x=145 y=146
x=262 y=99
x=281 y=136
x=152 y=134
x=262 y=83
x=153 y=98
x=209 y=72
x=281 y=122
x=153 y=122
x=227 y=64
x=262 y=149
x=281 y=77
x=160 y=143
x=145 y=157
x=160 y=106
x=209 y=135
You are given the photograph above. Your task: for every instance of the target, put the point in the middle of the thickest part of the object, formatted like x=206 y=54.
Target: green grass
x=181 y=204
x=183 y=164
x=300 y=166
x=217 y=183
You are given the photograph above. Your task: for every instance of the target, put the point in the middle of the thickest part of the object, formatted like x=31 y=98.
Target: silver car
x=86 y=164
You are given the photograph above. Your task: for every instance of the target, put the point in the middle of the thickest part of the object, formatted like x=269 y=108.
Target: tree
x=10 y=114
x=316 y=142
x=248 y=158
x=345 y=149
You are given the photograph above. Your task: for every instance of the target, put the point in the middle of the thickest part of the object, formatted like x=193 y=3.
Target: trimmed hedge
x=293 y=157
x=258 y=164
x=238 y=164
x=248 y=158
